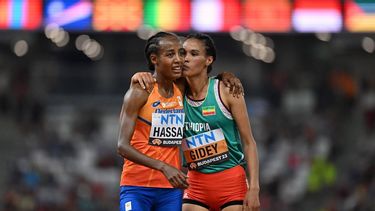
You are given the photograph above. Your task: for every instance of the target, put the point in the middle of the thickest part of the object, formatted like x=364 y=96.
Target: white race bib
x=167 y=129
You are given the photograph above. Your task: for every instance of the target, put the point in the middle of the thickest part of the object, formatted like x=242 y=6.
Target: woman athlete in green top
x=219 y=141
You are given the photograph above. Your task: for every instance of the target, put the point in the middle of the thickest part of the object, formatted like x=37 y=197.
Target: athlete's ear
x=209 y=60
x=153 y=58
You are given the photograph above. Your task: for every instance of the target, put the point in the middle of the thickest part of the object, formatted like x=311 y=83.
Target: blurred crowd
x=63 y=161
x=315 y=135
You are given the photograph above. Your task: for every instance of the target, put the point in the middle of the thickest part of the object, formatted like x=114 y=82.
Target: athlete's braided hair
x=153 y=46
x=209 y=46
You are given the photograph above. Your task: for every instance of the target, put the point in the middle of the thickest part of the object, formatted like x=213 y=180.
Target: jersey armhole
x=220 y=102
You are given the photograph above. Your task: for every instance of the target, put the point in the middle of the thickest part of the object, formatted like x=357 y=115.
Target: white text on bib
x=205 y=149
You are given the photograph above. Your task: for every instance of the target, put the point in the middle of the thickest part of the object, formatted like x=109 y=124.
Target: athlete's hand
x=176 y=177
x=233 y=83
x=145 y=79
x=251 y=201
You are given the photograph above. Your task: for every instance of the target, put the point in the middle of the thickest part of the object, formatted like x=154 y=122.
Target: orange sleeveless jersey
x=138 y=175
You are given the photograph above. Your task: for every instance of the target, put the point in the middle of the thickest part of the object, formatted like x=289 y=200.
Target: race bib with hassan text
x=167 y=129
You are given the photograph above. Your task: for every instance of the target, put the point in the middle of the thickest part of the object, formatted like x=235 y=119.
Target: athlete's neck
x=198 y=86
x=165 y=86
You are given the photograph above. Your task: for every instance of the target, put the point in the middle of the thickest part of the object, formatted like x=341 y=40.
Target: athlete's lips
x=177 y=69
x=185 y=67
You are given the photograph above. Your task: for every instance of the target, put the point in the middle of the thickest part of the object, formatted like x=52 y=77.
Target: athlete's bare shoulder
x=227 y=96
x=136 y=95
x=224 y=90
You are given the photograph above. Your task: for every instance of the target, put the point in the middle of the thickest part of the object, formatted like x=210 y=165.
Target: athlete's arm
x=134 y=99
x=238 y=109
x=146 y=80
x=231 y=81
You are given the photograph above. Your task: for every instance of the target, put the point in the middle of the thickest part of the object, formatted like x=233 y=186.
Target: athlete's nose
x=186 y=59
x=180 y=59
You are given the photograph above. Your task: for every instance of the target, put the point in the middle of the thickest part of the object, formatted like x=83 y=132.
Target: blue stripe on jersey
x=143 y=120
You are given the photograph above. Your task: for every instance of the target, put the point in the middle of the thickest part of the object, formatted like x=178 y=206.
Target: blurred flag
x=360 y=15
x=117 y=15
x=20 y=14
x=168 y=15
x=69 y=14
x=317 y=16
x=215 y=15
x=267 y=15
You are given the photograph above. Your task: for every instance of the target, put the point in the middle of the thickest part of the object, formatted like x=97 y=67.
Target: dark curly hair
x=153 y=46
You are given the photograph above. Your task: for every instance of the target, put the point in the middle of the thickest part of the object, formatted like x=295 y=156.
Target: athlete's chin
x=177 y=74
x=186 y=73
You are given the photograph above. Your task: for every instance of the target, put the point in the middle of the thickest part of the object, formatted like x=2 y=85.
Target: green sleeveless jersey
x=203 y=120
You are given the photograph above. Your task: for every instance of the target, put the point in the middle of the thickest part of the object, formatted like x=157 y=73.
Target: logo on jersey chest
x=156 y=103
x=208 y=110
x=167 y=104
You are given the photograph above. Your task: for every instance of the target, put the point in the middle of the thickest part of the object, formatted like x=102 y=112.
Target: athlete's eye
x=170 y=55
x=195 y=53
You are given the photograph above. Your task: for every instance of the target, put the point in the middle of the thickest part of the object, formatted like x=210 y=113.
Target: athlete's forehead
x=193 y=44
x=169 y=43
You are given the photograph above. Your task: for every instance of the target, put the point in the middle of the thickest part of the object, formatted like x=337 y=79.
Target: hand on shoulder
x=227 y=96
x=144 y=79
x=136 y=95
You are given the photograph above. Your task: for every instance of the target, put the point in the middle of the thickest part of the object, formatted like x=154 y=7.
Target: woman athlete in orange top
x=151 y=125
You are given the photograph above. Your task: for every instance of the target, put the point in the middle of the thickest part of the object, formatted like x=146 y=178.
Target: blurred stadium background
x=307 y=67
